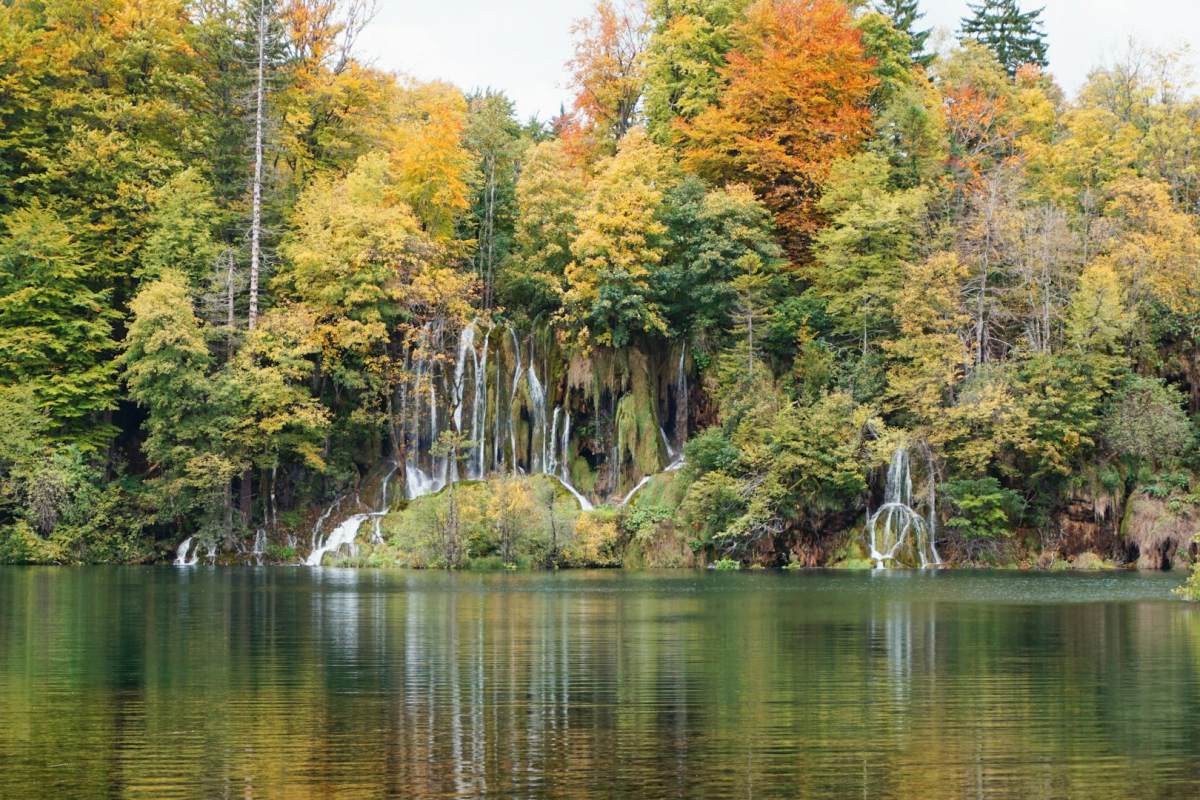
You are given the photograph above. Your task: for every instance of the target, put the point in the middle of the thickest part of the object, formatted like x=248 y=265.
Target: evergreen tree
x=1015 y=36
x=904 y=16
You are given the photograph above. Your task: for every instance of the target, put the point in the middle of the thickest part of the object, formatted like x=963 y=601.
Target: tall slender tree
x=256 y=192
x=1015 y=36
x=904 y=15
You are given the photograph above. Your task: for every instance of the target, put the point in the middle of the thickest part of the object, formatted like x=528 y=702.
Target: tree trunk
x=246 y=498
x=256 y=199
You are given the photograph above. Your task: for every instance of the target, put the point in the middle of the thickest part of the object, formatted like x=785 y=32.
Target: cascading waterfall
x=552 y=463
x=516 y=384
x=895 y=525
x=347 y=531
x=637 y=488
x=537 y=396
x=466 y=346
x=260 y=545
x=479 y=409
x=509 y=406
x=563 y=460
x=681 y=402
x=181 y=553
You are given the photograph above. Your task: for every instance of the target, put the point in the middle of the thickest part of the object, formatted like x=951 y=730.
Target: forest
x=780 y=264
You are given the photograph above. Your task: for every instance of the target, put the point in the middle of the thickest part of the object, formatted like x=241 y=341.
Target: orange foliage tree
x=606 y=72
x=794 y=101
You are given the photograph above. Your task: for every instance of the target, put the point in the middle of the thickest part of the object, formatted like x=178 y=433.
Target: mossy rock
x=854 y=564
x=1091 y=561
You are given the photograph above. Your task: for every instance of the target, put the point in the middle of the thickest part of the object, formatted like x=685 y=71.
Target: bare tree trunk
x=231 y=320
x=491 y=233
x=750 y=342
x=256 y=201
x=246 y=497
x=228 y=521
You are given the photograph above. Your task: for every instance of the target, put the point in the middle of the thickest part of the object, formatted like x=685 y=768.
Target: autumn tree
x=430 y=163
x=687 y=50
x=861 y=258
x=607 y=69
x=550 y=196
x=795 y=99
x=496 y=142
x=183 y=231
x=621 y=243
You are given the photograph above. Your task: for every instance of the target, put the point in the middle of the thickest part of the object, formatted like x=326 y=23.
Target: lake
x=290 y=682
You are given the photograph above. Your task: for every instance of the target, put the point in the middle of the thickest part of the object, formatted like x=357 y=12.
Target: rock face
x=1160 y=531
x=1087 y=524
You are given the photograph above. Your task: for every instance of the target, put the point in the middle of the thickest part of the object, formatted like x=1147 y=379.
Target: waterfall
x=181 y=553
x=895 y=523
x=479 y=409
x=343 y=535
x=417 y=480
x=466 y=345
x=450 y=387
x=377 y=517
x=347 y=531
x=537 y=396
x=440 y=466
x=563 y=461
x=512 y=401
x=681 y=404
x=260 y=545
x=552 y=463
x=625 y=500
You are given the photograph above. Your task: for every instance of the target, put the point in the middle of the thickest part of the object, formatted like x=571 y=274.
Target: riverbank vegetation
x=785 y=237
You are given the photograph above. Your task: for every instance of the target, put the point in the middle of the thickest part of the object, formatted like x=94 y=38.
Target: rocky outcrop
x=1160 y=532
x=1087 y=524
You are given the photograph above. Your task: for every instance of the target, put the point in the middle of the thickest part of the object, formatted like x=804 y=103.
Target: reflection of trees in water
x=262 y=682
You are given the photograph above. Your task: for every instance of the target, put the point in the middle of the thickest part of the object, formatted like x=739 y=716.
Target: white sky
x=520 y=46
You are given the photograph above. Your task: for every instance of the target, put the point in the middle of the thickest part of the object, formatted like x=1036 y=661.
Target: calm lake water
x=289 y=682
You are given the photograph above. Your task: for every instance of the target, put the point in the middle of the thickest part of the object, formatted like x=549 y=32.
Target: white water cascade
x=181 y=553
x=562 y=458
x=637 y=488
x=260 y=545
x=512 y=405
x=347 y=531
x=895 y=525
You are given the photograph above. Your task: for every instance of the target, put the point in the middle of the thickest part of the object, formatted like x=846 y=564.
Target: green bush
x=984 y=511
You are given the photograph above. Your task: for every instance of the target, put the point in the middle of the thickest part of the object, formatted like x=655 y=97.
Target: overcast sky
x=520 y=46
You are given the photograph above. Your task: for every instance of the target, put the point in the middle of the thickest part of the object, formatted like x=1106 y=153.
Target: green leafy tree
x=167 y=365
x=684 y=59
x=182 y=231
x=861 y=257
x=550 y=196
x=716 y=236
x=55 y=328
x=983 y=512
x=1146 y=423
x=495 y=139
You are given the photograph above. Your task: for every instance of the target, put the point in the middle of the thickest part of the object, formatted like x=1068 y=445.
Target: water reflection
x=268 y=682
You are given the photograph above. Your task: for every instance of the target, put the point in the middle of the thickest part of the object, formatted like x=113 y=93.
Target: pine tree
x=1015 y=36
x=904 y=16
